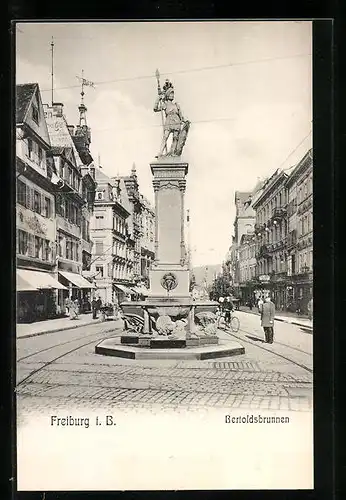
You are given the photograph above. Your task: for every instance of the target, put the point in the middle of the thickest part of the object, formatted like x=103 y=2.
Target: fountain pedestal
x=169 y=276
x=169 y=324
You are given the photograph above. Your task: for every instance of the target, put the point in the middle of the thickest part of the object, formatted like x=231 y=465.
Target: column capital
x=156 y=185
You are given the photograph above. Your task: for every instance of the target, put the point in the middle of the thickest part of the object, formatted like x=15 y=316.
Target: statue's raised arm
x=173 y=121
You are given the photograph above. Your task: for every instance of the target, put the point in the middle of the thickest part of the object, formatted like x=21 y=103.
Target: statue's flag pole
x=159 y=92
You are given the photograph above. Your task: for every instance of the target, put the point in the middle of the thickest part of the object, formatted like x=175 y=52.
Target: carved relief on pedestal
x=169 y=174
x=182 y=185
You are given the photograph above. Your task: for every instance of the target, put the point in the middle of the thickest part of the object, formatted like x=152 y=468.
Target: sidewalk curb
x=73 y=327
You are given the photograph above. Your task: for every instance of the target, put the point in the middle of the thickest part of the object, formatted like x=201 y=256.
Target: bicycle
x=233 y=322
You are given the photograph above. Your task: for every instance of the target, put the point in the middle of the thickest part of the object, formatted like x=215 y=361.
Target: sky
x=245 y=86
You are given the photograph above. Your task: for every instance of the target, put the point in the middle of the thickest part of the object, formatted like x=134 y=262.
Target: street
x=61 y=370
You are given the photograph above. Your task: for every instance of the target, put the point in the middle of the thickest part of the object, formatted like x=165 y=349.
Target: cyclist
x=228 y=308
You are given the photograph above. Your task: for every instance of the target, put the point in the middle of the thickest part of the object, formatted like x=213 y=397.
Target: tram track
x=98 y=336
x=59 y=344
x=271 y=351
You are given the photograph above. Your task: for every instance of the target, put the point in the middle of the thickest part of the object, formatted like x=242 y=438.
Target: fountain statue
x=173 y=121
x=169 y=323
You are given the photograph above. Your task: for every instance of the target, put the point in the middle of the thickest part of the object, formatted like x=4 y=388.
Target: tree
x=221 y=286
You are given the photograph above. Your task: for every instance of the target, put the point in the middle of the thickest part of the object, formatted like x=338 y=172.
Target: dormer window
x=100 y=195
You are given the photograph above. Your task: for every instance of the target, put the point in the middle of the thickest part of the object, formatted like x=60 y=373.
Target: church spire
x=82 y=108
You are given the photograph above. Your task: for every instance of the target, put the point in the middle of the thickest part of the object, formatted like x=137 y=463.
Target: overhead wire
x=184 y=71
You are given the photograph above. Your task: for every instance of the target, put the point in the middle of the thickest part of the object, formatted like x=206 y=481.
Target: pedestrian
x=228 y=307
x=250 y=304
x=99 y=303
x=267 y=320
x=76 y=308
x=94 y=307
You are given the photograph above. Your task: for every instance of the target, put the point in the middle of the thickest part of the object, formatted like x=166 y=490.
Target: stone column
x=169 y=186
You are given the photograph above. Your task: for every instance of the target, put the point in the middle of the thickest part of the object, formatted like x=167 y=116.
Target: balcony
x=263 y=252
x=304 y=270
x=279 y=213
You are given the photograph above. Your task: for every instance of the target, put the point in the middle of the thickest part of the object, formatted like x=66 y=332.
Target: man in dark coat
x=94 y=307
x=267 y=320
x=228 y=308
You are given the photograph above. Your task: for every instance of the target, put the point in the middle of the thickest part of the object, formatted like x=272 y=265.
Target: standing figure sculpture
x=174 y=123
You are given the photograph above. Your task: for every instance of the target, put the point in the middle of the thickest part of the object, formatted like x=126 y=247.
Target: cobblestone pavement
x=257 y=380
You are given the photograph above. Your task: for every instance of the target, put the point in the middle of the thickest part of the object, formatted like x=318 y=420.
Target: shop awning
x=77 y=280
x=36 y=280
x=141 y=291
x=24 y=286
x=89 y=274
x=124 y=288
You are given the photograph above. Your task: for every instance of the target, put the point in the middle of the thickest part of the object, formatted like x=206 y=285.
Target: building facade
x=135 y=221
x=74 y=191
x=247 y=266
x=239 y=258
x=147 y=238
x=300 y=234
x=35 y=210
x=271 y=231
x=112 y=260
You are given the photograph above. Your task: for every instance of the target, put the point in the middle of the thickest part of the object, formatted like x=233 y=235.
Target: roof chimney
x=57 y=108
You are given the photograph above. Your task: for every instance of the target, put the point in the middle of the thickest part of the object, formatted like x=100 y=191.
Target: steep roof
x=24 y=94
x=100 y=177
x=60 y=137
